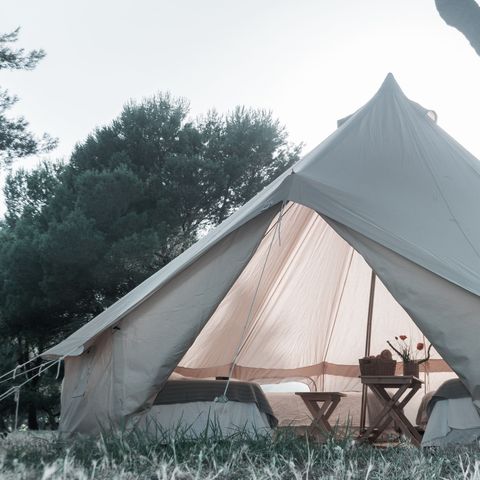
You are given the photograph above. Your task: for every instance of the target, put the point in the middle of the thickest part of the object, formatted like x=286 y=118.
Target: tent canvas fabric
x=310 y=314
x=389 y=190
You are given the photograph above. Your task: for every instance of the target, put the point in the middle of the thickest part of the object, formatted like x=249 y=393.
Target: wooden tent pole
x=368 y=339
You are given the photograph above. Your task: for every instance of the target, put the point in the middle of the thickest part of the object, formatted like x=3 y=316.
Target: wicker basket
x=377 y=366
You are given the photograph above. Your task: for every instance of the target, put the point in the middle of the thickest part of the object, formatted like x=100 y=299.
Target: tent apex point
x=390 y=81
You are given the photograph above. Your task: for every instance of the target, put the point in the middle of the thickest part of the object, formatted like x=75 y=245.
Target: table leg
x=319 y=420
x=388 y=403
x=332 y=408
x=396 y=414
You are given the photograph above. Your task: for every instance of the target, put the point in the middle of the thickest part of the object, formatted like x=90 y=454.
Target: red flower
x=420 y=346
x=403 y=337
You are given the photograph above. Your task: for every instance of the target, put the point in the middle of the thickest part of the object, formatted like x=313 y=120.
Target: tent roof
x=392 y=174
x=388 y=173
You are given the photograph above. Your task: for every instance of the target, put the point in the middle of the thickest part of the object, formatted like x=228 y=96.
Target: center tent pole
x=368 y=339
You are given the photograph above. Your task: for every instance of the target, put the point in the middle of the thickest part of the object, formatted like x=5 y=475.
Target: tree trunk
x=32 y=417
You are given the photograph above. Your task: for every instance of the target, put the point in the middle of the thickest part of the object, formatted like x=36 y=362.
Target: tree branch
x=464 y=15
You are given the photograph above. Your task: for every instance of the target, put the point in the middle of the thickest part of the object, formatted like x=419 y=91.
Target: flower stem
x=400 y=354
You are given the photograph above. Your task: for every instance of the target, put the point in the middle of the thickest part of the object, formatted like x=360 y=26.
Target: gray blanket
x=185 y=391
x=450 y=389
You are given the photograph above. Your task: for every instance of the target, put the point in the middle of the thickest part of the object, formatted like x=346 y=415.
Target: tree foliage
x=136 y=193
x=16 y=140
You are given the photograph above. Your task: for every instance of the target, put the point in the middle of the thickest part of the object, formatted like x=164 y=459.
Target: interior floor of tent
x=296 y=320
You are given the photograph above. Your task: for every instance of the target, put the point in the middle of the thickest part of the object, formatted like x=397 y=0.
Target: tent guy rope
x=14 y=370
x=276 y=231
x=24 y=372
x=15 y=390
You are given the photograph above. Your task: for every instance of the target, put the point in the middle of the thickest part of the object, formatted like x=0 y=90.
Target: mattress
x=452 y=421
x=452 y=416
x=204 y=419
x=196 y=409
x=188 y=391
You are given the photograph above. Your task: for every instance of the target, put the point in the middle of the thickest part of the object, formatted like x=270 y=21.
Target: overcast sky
x=309 y=61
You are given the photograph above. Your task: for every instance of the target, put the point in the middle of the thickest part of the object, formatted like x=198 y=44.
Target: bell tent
x=284 y=288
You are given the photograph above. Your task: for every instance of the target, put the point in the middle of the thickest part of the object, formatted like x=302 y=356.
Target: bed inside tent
x=296 y=320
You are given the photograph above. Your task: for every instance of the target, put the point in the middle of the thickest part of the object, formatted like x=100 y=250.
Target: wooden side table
x=392 y=405
x=321 y=414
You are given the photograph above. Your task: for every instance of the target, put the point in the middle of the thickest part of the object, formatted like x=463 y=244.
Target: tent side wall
x=110 y=381
x=87 y=387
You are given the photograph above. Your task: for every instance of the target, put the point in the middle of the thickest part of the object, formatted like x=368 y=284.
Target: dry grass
x=131 y=455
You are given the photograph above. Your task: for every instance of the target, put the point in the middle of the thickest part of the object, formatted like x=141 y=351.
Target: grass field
x=132 y=456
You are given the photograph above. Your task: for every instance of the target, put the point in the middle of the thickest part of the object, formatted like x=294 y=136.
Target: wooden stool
x=321 y=413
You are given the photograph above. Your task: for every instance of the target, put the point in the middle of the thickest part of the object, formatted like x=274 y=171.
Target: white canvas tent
x=281 y=288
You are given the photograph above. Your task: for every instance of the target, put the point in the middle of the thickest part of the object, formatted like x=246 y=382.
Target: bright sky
x=309 y=61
